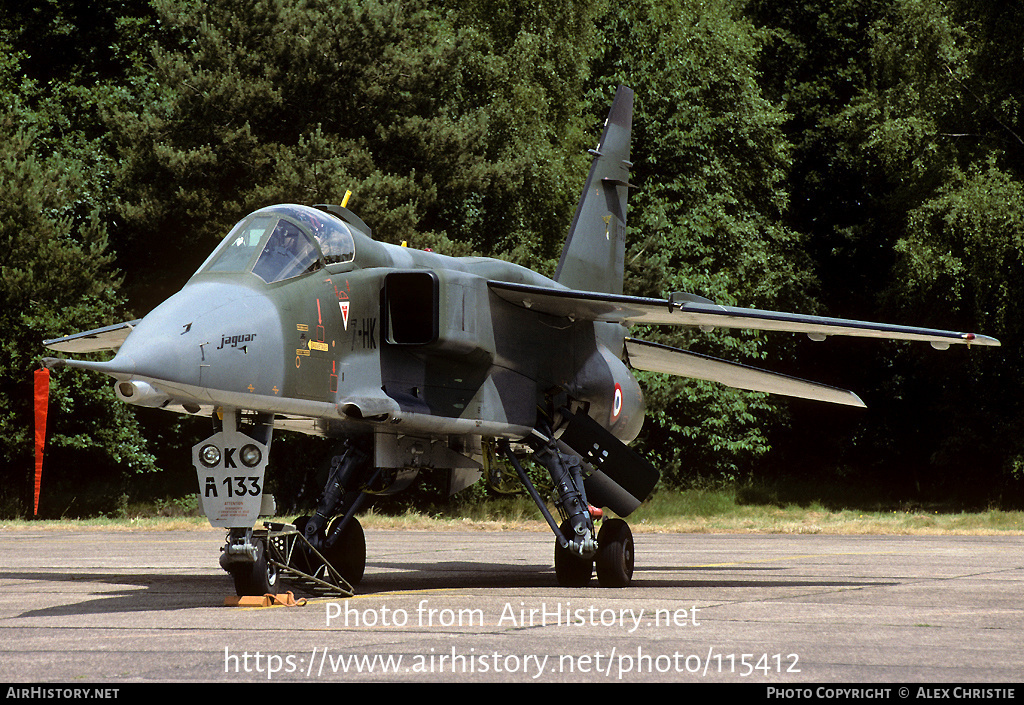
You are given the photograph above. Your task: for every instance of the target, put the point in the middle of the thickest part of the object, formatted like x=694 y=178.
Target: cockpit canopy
x=281 y=242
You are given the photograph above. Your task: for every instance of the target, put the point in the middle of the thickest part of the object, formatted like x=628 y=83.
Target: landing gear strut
x=245 y=559
x=577 y=529
x=571 y=569
x=344 y=548
x=578 y=546
x=333 y=530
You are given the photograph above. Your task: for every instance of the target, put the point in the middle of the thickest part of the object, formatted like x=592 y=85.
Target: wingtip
x=976 y=339
x=967 y=339
x=53 y=363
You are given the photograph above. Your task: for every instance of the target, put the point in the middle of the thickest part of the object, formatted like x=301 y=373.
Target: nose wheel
x=258 y=577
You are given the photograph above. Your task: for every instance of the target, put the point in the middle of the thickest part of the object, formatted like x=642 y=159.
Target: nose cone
x=209 y=337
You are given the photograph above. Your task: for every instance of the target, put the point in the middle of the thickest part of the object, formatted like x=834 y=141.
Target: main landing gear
x=613 y=558
x=333 y=529
x=579 y=548
x=324 y=553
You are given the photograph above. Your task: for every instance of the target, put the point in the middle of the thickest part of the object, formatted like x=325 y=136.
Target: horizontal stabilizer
x=98 y=340
x=660 y=358
x=690 y=310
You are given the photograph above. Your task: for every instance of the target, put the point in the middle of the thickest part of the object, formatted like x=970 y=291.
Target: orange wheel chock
x=267 y=600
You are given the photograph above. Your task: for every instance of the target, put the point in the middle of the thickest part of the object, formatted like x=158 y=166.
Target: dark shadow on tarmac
x=163 y=592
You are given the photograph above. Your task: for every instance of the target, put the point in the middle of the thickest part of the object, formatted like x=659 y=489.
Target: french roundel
x=617 y=402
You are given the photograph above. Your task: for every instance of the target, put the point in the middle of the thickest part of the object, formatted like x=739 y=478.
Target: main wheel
x=571 y=570
x=614 y=554
x=257 y=578
x=348 y=554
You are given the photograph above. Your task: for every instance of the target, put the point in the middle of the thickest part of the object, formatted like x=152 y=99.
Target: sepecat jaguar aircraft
x=415 y=361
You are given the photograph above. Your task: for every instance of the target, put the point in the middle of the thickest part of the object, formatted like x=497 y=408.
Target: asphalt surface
x=470 y=606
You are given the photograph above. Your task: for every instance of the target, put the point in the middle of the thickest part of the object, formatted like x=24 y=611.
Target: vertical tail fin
x=592 y=259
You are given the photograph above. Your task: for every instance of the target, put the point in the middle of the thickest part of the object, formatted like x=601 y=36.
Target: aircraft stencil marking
x=234 y=340
x=366 y=332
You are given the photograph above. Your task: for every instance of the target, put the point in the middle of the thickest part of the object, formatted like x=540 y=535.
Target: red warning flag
x=42 y=400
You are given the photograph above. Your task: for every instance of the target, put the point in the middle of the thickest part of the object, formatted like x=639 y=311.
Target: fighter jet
x=419 y=362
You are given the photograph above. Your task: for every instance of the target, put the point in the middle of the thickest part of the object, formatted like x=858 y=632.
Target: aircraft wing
x=661 y=358
x=691 y=310
x=108 y=338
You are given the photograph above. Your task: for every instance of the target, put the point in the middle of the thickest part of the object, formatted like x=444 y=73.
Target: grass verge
x=717 y=510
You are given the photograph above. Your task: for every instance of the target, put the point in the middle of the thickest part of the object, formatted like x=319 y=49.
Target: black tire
x=614 y=554
x=301 y=558
x=348 y=554
x=257 y=578
x=570 y=569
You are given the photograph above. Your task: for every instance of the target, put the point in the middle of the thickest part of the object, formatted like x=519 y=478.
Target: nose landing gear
x=244 y=557
x=260 y=560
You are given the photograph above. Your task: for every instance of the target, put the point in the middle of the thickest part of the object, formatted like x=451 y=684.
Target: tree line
x=855 y=158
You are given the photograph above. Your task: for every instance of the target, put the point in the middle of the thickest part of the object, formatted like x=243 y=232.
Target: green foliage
x=55 y=277
x=906 y=127
x=442 y=127
x=711 y=161
x=963 y=251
